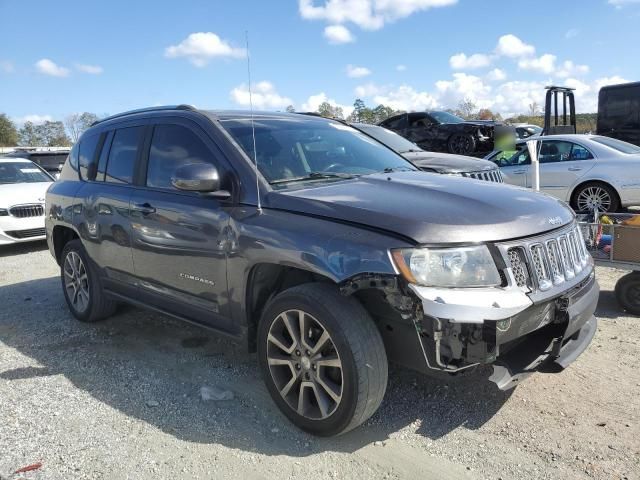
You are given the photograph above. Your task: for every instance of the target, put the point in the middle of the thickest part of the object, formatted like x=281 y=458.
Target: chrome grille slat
x=27 y=211
x=549 y=261
x=488 y=176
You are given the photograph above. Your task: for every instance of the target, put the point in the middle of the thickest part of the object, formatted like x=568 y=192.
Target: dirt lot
x=121 y=399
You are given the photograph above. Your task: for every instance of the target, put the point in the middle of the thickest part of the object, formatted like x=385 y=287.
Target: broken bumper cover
x=506 y=328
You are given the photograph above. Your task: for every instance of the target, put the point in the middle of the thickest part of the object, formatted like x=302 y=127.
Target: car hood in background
x=447 y=162
x=429 y=208
x=21 y=193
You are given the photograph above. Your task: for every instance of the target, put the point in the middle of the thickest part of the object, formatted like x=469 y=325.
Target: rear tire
x=331 y=377
x=592 y=194
x=461 y=144
x=81 y=285
x=628 y=292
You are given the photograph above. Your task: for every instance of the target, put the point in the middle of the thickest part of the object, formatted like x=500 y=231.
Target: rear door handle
x=574 y=169
x=144 y=208
x=519 y=172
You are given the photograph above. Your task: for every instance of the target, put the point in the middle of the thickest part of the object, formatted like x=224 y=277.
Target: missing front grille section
x=519 y=267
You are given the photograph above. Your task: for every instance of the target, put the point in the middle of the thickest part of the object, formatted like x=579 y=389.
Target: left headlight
x=448 y=267
x=4 y=212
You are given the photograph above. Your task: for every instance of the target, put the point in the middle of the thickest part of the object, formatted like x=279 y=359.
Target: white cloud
x=48 y=67
x=543 y=64
x=367 y=90
x=570 y=69
x=572 y=33
x=496 y=75
x=201 y=47
x=461 y=61
x=338 y=34
x=614 y=80
x=354 y=71
x=33 y=118
x=406 y=98
x=621 y=3
x=90 y=69
x=6 y=66
x=314 y=101
x=511 y=46
x=264 y=96
x=401 y=68
x=367 y=14
x=463 y=86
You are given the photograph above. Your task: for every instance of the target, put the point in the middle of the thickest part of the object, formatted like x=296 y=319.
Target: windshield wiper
x=314 y=176
x=397 y=169
x=412 y=150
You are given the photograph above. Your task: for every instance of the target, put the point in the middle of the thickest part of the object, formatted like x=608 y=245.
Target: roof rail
x=144 y=110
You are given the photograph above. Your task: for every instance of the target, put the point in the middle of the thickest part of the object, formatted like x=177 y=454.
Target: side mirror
x=199 y=177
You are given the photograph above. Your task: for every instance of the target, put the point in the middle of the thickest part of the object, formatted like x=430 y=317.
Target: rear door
x=562 y=164
x=181 y=239
x=107 y=162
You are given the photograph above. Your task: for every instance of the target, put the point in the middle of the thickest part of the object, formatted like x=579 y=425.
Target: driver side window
x=173 y=146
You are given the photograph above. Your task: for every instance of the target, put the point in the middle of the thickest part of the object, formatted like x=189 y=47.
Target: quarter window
x=578 y=152
x=122 y=156
x=173 y=146
x=87 y=154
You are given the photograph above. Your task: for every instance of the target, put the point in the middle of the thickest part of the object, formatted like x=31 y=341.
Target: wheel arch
x=60 y=236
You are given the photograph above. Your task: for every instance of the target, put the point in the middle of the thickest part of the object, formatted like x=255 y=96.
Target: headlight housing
x=4 y=212
x=471 y=266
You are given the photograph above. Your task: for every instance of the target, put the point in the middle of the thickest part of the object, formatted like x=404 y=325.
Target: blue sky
x=70 y=56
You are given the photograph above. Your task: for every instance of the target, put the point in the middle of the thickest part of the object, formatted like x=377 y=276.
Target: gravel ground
x=122 y=399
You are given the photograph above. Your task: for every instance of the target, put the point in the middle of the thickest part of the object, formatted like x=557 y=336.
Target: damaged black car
x=440 y=131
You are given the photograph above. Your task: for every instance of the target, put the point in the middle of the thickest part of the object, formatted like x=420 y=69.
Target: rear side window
x=122 y=156
x=173 y=146
x=88 y=155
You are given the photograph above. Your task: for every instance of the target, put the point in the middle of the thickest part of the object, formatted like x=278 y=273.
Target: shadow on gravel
x=608 y=306
x=152 y=368
x=22 y=248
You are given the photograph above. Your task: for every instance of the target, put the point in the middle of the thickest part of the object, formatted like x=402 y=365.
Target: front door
x=180 y=239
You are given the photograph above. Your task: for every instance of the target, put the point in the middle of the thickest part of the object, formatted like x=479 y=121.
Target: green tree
x=8 y=132
x=467 y=109
x=77 y=123
x=330 y=111
x=54 y=135
x=30 y=135
x=291 y=109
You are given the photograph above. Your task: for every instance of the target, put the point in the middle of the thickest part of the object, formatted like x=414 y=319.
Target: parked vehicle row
x=50 y=160
x=311 y=243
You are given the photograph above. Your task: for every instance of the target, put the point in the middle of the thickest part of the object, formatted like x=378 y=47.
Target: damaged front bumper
x=460 y=329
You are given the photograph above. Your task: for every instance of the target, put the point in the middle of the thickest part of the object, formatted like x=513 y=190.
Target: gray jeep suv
x=321 y=249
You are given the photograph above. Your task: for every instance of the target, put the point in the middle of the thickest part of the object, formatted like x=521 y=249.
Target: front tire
x=461 y=144
x=628 y=292
x=81 y=285
x=322 y=359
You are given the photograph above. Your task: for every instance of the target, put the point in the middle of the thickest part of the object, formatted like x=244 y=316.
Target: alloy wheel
x=592 y=198
x=76 y=281
x=304 y=364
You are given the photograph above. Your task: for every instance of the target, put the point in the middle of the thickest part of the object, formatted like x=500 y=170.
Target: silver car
x=586 y=171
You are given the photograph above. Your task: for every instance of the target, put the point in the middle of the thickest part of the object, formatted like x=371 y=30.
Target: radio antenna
x=253 y=127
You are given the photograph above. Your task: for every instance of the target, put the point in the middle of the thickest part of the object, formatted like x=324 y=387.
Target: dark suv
x=321 y=249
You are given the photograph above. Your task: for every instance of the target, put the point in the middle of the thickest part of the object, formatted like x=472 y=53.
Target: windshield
x=22 y=172
x=619 y=145
x=291 y=150
x=390 y=139
x=445 y=117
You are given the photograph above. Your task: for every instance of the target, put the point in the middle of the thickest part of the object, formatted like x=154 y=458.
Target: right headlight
x=448 y=267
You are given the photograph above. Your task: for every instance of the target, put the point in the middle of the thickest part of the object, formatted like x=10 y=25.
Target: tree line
x=46 y=134
x=66 y=133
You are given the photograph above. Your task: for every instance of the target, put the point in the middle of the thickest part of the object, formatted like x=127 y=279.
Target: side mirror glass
x=199 y=177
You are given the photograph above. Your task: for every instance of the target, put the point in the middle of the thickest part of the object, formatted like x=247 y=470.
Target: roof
x=14 y=160
x=247 y=114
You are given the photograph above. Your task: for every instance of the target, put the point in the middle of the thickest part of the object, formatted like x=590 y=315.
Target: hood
x=447 y=162
x=20 y=193
x=429 y=208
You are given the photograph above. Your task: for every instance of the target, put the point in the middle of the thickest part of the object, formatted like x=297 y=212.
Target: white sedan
x=586 y=171
x=23 y=185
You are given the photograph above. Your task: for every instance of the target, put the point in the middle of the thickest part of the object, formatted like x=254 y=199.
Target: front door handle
x=144 y=208
x=574 y=169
